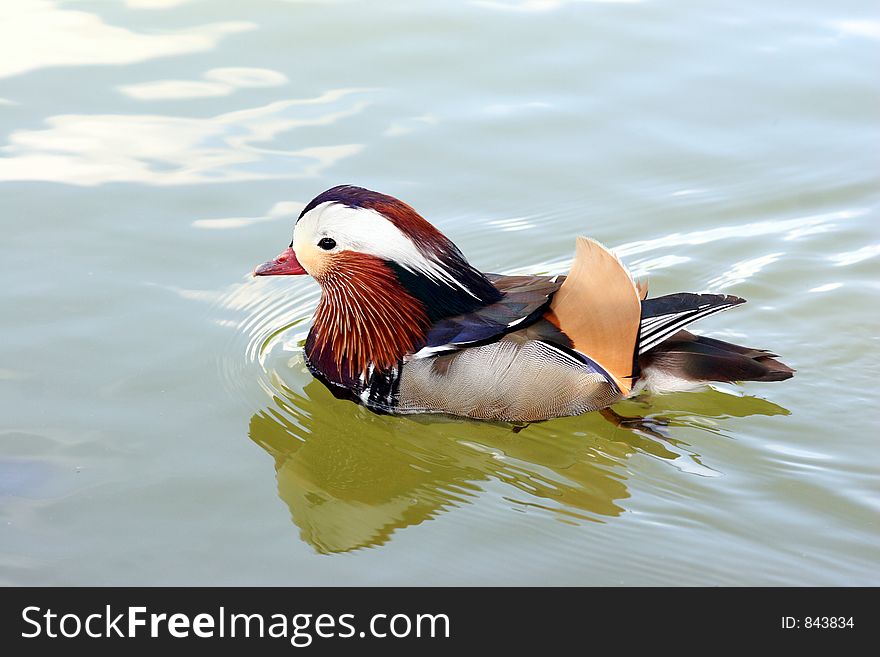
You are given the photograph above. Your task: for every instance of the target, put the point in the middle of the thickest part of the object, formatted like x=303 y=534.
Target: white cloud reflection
x=537 y=6
x=863 y=28
x=409 y=125
x=743 y=271
x=277 y=211
x=154 y=4
x=828 y=287
x=176 y=89
x=789 y=229
x=216 y=82
x=852 y=257
x=91 y=149
x=513 y=224
x=37 y=34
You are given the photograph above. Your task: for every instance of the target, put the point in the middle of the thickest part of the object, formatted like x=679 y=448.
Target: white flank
x=656 y=381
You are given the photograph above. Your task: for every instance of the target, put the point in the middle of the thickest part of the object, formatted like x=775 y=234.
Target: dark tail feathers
x=697 y=358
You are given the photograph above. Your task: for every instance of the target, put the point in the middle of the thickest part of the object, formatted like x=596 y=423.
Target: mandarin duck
x=405 y=324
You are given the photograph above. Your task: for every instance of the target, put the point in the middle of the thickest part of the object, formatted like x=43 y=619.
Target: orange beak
x=285 y=264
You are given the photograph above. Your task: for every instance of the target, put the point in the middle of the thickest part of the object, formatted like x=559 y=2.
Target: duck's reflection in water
x=351 y=478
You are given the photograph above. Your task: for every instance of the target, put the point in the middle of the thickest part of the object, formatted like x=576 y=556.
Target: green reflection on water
x=351 y=478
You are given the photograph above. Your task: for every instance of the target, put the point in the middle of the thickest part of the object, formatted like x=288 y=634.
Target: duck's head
x=386 y=276
x=359 y=239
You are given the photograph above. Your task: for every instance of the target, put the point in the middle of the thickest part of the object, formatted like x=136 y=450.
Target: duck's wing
x=599 y=308
x=663 y=317
x=524 y=302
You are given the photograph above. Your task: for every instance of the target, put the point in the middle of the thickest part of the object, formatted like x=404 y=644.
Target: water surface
x=158 y=424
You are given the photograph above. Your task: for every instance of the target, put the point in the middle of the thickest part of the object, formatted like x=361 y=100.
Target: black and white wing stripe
x=664 y=316
x=524 y=302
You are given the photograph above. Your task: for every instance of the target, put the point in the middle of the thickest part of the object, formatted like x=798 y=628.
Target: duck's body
x=406 y=325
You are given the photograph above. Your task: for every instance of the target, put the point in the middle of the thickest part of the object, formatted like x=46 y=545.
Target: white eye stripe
x=368 y=231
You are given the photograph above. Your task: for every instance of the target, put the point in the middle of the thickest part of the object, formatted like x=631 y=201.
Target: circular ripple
x=269 y=321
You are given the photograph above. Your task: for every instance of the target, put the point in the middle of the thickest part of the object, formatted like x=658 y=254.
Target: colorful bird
x=406 y=325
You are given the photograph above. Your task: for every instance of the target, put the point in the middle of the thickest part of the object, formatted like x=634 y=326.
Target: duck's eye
x=327 y=243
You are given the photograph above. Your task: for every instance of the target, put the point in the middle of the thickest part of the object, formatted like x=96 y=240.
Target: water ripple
x=93 y=149
x=215 y=82
x=743 y=271
x=852 y=257
x=37 y=34
x=280 y=210
x=788 y=229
